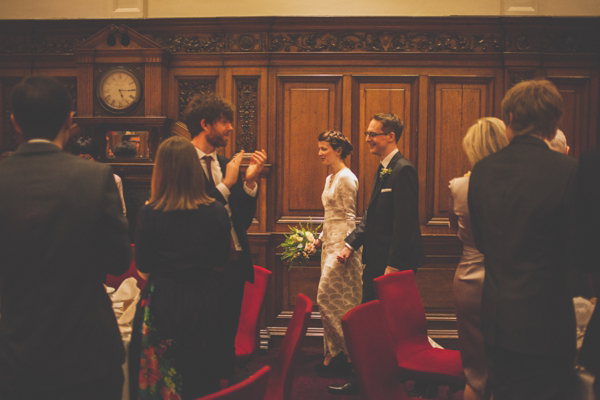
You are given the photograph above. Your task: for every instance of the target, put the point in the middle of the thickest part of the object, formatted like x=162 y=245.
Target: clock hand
x=120 y=92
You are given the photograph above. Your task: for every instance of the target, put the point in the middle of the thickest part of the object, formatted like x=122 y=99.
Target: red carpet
x=307 y=385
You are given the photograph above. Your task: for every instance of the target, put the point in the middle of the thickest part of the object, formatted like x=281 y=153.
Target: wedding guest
x=209 y=120
x=587 y=253
x=86 y=148
x=559 y=143
x=485 y=137
x=340 y=286
x=182 y=239
x=62 y=231
x=519 y=200
x=389 y=231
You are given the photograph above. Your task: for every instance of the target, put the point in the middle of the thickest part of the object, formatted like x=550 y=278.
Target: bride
x=340 y=286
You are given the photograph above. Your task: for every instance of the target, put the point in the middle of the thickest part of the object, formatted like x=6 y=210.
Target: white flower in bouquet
x=298 y=245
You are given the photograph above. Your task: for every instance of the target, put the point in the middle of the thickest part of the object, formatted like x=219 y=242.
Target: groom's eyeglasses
x=372 y=135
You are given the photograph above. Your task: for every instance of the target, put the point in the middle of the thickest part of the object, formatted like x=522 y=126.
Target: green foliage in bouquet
x=298 y=247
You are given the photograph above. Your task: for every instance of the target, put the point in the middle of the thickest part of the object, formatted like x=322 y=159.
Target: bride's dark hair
x=336 y=140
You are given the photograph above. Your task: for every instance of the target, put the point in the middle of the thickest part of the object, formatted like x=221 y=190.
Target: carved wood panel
x=395 y=95
x=188 y=87
x=455 y=104
x=307 y=106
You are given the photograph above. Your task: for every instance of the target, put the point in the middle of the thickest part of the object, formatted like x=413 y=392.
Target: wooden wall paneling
x=456 y=102
x=247 y=87
x=185 y=82
x=383 y=94
x=575 y=122
x=9 y=138
x=306 y=106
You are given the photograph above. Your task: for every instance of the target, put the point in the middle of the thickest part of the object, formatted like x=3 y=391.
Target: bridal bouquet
x=297 y=246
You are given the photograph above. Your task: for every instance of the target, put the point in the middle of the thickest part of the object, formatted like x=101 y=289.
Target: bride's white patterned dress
x=340 y=287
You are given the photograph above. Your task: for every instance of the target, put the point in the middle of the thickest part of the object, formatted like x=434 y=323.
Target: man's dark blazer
x=389 y=230
x=587 y=249
x=243 y=208
x=62 y=230
x=520 y=201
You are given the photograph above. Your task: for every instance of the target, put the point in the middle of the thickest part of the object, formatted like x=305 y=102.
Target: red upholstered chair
x=280 y=383
x=115 y=281
x=252 y=388
x=405 y=314
x=372 y=352
x=246 y=339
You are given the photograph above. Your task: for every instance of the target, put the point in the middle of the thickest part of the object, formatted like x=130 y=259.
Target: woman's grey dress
x=467 y=287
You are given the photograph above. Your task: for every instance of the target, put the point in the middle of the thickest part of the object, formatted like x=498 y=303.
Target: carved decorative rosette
x=189 y=87
x=207 y=43
x=245 y=42
x=384 y=42
x=247 y=108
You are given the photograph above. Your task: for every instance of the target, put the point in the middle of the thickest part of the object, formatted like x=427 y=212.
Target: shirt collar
x=201 y=154
x=388 y=158
x=39 y=141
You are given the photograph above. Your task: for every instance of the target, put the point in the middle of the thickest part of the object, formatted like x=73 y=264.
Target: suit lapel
x=379 y=182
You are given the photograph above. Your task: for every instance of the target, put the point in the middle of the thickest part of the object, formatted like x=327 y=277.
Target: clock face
x=119 y=90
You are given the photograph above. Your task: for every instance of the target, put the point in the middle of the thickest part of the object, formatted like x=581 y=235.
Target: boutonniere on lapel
x=384 y=173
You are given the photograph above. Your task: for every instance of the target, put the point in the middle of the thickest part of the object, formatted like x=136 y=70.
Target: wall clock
x=119 y=90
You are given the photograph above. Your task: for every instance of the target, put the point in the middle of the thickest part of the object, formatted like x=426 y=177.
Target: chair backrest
x=404 y=311
x=246 y=338
x=116 y=280
x=252 y=388
x=280 y=383
x=372 y=352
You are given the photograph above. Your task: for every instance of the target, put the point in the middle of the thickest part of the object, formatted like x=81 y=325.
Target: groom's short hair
x=390 y=123
x=208 y=107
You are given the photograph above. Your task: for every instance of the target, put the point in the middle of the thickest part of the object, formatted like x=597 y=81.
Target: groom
x=389 y=231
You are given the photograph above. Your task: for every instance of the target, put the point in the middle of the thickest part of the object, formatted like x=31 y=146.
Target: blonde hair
x=177 y=178
x=486 y=136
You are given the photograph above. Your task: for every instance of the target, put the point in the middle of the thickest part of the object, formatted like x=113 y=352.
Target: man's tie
x=208 y=160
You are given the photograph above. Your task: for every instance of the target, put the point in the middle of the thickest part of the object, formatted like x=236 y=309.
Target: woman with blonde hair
x=485 y=137
x=182 y=241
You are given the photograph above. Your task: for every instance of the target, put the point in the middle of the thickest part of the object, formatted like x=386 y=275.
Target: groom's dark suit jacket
x=520 y=206
x=389 y=230
x=243 y=208
x=62 y=230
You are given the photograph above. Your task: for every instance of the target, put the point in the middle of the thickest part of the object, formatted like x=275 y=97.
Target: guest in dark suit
x=389 y=231
x=209 y=120
x=587 y=253
x=520 y=201
x=182 y=240
x=62 y=231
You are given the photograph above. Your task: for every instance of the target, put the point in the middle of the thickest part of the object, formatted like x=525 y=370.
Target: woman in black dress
x=182 y=241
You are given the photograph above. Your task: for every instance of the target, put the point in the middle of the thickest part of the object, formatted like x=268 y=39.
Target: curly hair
x=208 y=107
x=336 y=140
